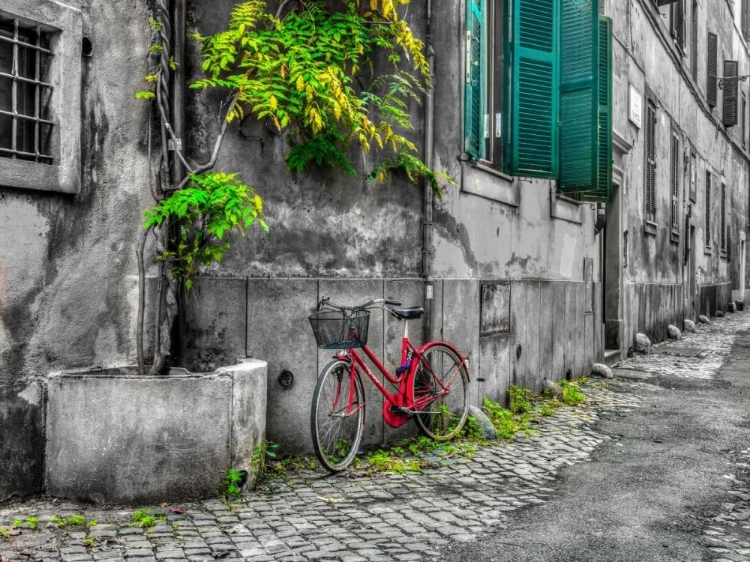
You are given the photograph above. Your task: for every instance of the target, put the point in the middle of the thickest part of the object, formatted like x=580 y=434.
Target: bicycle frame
x=399 y=406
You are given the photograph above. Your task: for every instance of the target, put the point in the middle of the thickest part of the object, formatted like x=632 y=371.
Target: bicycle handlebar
x=326 y=301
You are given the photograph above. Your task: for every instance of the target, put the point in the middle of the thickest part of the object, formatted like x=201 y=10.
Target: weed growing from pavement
x=233 y=483
x=29 y=523
x=71 y=521
x=4 y=533
x=145 y=519
x=571 y=393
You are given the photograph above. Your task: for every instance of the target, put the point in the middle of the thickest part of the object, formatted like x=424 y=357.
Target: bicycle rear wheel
x=440 y=390
x=336 y=424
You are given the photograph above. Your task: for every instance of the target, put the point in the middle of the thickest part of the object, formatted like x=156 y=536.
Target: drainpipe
x=429 y=137
x=179 y=13
x=601 y=218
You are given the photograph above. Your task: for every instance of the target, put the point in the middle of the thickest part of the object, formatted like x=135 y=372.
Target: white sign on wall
x=636 y=107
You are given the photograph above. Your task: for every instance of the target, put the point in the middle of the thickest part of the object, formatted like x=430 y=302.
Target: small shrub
x=4 y=533
x=76 y=521
x=17 y=523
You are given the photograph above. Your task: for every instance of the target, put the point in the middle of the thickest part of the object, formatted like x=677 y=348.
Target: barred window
x=25 y=123
x=707 y=224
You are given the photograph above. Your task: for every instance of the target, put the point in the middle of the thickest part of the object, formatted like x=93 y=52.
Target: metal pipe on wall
x=179 y=17
x=429 y=196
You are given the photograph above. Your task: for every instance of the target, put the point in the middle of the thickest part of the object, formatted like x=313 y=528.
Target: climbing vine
x=309 y=72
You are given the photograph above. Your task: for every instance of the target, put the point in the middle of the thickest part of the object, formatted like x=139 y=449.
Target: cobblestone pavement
x=697 y=355
x=313 y=517
x=383 y=517
x=728 y=534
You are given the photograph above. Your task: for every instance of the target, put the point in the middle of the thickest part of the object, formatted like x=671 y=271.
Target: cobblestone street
x=416 y=516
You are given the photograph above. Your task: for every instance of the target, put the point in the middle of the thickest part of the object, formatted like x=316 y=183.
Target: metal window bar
x=38 y=51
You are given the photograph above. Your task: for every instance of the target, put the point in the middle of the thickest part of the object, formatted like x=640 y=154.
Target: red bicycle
x=432 y=382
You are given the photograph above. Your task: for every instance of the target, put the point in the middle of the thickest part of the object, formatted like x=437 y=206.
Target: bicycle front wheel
x=338 y=415
x=440 y=390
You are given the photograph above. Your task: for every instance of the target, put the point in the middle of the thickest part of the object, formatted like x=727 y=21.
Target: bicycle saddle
x=408 y=313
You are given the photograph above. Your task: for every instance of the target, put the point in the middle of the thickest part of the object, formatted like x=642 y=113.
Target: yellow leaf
x=282 y=70
x=336 y=110
x=300 y=83
x=274 y=103
x=373 y=4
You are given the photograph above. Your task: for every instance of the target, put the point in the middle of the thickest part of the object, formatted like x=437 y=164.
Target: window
x=723 y=221
x=707 y=222
x=484 y=85
x=729 y=85
x=677 y=23
x=40 y=93
x=675 y=171
x=712 y=62
x=537 y=103
x=24 y=95
x=694 y=40
x=650 y=182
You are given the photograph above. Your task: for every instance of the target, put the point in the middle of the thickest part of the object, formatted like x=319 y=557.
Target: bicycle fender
x=464 y=359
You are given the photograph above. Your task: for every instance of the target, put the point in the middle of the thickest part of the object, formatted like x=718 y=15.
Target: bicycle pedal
x=401 y=410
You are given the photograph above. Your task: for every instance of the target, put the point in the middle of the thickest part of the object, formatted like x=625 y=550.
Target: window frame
x=675 y=180
x=64 y=26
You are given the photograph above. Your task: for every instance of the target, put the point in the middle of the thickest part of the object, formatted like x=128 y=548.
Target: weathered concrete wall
x=67 y=263
x=116 y=437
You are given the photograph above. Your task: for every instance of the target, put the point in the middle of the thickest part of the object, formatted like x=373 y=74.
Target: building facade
x=601 y=157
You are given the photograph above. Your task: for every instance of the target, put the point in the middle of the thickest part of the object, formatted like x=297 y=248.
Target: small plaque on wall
x=636 y=107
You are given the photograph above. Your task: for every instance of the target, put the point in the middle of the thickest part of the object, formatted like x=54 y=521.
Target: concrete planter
x=116 y=437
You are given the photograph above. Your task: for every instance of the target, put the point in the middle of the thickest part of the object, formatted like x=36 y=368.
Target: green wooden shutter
x=579 y=101
x=475 y=80
x=531 y=101
x=603 y=192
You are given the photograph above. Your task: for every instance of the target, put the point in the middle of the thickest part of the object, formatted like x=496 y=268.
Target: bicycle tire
x=336 y=443
x=443 y=418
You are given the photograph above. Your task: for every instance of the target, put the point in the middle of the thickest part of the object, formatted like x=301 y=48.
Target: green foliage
x=473 y=431
x=571 y=393
x=90 y=542
x=211 y=206
x=232 y=483
x=520 y=400
x=71 y=521
x=4 y=533
x=145 y=519
x=310 y=73
x=145 y=96
x=29 y=523
x=390 y=461
x=505 y=422
x=93 y=523
x=17 y=523
x=261 y=455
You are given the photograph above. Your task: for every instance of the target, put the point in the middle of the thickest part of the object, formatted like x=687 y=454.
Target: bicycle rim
x=443 y=416
x=336 y=428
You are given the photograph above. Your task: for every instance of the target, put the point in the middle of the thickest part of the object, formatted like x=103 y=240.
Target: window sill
x=674 y=236
x=650 y=228
x=486 y=182
x=21 y=174
x=708 y=251
x=565 y=209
